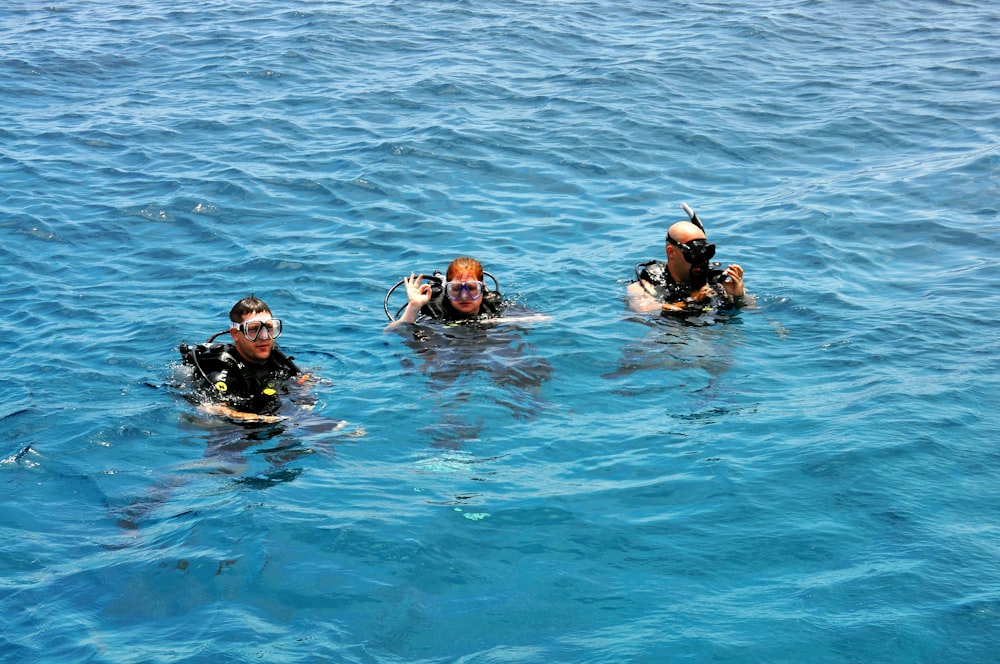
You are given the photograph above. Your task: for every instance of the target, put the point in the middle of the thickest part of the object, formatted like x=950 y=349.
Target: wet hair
x=465 y=264
x=248 y=305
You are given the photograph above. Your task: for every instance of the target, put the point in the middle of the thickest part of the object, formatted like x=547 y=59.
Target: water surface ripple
x=813 y=479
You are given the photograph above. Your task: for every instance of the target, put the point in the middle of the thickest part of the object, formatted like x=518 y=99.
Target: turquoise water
x=814 y=479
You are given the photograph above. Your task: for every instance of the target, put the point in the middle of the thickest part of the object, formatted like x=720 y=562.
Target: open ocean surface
x=815 y=479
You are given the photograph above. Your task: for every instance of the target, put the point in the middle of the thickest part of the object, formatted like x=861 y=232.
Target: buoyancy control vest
x=222 y=375
x=665 y=289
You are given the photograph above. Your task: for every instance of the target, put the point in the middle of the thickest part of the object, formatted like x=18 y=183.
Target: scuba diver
x=688 y=281
x=243 y=380
x=465 y=344
x=460 y=295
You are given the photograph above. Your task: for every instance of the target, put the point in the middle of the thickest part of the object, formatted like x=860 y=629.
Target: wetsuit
x=439 y=308
x=224 y=376
x=656 y=279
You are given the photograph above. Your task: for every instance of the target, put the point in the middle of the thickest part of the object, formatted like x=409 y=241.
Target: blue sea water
x=812 y=479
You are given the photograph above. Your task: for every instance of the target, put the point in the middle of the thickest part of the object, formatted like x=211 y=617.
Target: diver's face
x=684 y=253
x=465 y=304
x=259 y=349
x=680 y=268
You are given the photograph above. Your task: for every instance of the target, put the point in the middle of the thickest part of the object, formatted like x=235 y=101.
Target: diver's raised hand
x=417 y=293
x=733 y=282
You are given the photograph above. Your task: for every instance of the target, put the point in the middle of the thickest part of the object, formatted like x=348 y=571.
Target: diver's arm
x=221 y=409
x=410 y=313
x=640 y=300
x=299 y=391
x=514 y=314
x=417 y=296
x=675 y=306
x=697 y=300
x=214 y=402
x=409 y=316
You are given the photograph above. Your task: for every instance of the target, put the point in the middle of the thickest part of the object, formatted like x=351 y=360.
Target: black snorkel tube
x=701 y=271
x=694 y=217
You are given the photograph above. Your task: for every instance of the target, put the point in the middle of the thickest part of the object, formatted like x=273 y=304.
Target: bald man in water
x=687 y=280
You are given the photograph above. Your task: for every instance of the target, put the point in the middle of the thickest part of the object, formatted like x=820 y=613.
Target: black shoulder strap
x=651 y=271
x=208 y=354
x=492 y=303
x=285 y=360
x=664 y=288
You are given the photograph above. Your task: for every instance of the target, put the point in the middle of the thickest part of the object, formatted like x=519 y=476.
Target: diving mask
x=453 y=289
x=695 y=252
x=251 y=329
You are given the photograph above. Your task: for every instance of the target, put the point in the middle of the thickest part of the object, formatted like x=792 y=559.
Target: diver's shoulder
x=204 y=353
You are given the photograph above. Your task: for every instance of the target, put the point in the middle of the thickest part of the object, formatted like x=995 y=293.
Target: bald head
x=685 y=231
x=681 y=232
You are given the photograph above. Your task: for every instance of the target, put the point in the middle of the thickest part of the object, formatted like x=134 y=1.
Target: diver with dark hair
x=245 y=379
x=460 y=296
x=688 y=281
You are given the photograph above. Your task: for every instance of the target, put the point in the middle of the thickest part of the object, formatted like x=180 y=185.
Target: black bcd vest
x=223 y=376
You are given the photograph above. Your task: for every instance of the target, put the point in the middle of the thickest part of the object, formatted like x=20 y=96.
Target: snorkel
x=694 y=217
x=697 y=253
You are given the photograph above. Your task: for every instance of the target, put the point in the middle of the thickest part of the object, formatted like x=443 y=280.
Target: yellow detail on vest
x=270 y=391
x=221 y=386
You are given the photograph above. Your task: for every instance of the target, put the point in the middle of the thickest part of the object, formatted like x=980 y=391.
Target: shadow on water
x=471 y=369
x=20 y=448
x=15 y=404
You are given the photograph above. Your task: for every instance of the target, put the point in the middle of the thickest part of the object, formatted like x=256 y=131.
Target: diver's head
x=464 y=285
x=688 y=253
x=253 y=329
x=248 y=305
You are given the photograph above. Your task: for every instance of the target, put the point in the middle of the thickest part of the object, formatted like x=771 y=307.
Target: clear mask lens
x=252 y=329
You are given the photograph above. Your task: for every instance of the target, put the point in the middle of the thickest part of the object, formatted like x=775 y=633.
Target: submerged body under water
x=470 y=368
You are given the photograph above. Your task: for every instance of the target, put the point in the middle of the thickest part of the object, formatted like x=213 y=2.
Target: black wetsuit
x=655 y=278
x=224 y=376
x=439 y=308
